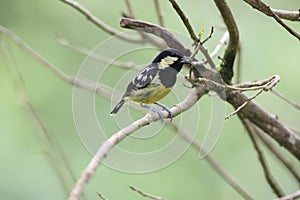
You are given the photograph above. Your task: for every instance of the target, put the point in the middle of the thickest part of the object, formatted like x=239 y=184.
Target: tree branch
x=110 y=30
x=144 y=194
x=96 y=87
x=159 y=13
x=89 y=171
x=161 y=32
x=267 y=10
x=268 y=175
x=283 y=14
x=282 y=158
x=292 y=196
x=267 y=122
x=185 y=20
x=231 y=50
x=212 y=161
x=254 y=112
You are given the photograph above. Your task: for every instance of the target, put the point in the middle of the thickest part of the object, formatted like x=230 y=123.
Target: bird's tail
x=117 y=108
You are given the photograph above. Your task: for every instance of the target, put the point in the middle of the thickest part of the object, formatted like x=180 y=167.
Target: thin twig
x=208 y=37
x=268 y=175
x=292 y=196
x=96 y=87
x=144 y=194
x=268 y=85
x=102 y=152
x=282 y=158
x=129 y=8
x=211 y=161
x=221 y=43
x=159 y=13
x=85 y=51
x=185 y=20
x=277 y=14
x=47 y=140
x=239 y=65
x=243 y=105
x=294 y=104
x=285 y=26
x=217 y=49
x=284 y=14
x=266 y=121
x=101 y=196
x=99 y=23
x=204 y=51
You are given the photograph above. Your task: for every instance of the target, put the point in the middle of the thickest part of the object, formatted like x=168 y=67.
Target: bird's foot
x=166 y=109
x=153 y=109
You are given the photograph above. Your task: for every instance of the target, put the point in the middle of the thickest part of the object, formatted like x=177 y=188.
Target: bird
x=155 y=81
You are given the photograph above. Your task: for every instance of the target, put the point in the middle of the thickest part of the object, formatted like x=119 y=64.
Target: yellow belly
x=150 y=94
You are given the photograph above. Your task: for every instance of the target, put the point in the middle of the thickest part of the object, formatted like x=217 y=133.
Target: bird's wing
x=143 y=79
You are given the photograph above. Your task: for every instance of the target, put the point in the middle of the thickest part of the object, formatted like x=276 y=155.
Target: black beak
x=186 y=60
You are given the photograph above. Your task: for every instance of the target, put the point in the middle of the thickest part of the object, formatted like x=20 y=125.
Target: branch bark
x=231 y=50
x=188 y=102
x=99 y=23
x=283 y=14
x=267 y=10
x=267 y=122
x=161 y=32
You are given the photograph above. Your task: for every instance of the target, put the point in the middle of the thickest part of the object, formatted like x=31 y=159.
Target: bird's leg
x=166 y=109
x=153 y=109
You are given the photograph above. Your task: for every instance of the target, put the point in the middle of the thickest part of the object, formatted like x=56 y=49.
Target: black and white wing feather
x=144 y=78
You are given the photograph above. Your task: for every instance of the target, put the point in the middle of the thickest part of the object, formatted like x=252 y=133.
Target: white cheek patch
x=169 y=60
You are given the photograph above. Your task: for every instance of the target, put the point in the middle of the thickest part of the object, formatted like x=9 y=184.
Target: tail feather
x=118 y=106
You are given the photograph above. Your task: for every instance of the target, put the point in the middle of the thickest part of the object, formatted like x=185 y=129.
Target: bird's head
x=171 y=58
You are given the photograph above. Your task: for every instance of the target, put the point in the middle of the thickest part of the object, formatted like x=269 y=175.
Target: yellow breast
x=150 y=94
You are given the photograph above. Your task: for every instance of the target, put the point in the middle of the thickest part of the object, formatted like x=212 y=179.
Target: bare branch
x=233 y=43
x=239 y=65
x=110 y=30
x=159 y=13
x=204 y=51
x=221 y=43
x=144 y=194
x=161 y=32
x=129 y=8
x=185 y=20
x=276 y=14
x=282 y=158
x=295 y=105
x=292 y=196
x=267 y=122
x=101 y=196
x=188 y=102
x=268 y=175
x=208 y=37
x=288 y=15
x=243 y=105
x=96 y=87
x=85 y=51
x=283 y=14
x=212 y=161
x=264 y=85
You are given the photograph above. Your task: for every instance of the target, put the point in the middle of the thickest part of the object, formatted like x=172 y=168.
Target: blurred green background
x=26 y=168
